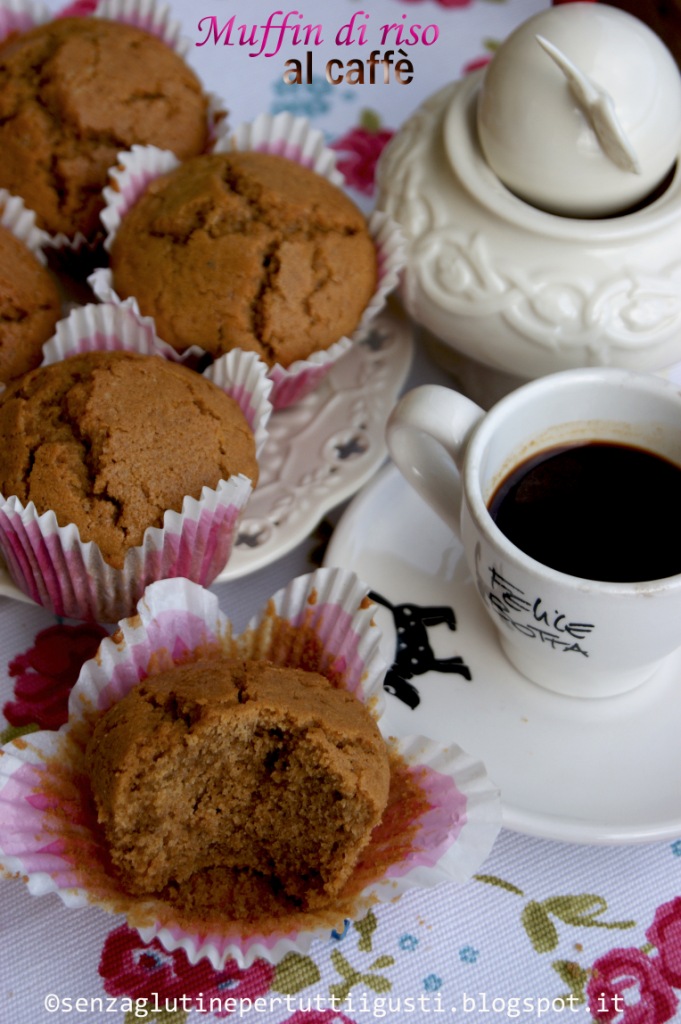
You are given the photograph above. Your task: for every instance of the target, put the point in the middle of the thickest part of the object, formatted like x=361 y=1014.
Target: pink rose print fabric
x=445 y=3
x=46 y=673
x=627 y=986
x=319 y=1017
x=130 y=968
x=665 y=934
x=630 y=986
x=359 y=151
x=78 y=8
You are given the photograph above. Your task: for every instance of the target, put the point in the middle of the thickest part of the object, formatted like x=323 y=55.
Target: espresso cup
x=597 y=453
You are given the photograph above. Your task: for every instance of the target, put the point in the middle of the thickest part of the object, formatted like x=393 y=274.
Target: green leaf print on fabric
x=366 y=928
x=294 y=973
x=541 y=930
x=376 y=982
x=12 y=732
x=574 y=976
x=297 y=972
x=581 y=911
x=160 y=1017
x=499 y=882
x=381 y=962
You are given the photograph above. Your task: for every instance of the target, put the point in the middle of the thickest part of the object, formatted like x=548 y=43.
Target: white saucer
x=323 y=449
x=591 y=771
x=319 y=451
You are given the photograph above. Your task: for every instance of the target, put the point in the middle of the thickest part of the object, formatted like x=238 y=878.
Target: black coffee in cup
x=598 y=510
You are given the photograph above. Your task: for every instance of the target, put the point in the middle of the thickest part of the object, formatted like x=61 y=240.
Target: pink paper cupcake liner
x=48 y=832
x=109 y=326
x=21 y=16
x=51 y=564
x=153 y=17
x=295 y=139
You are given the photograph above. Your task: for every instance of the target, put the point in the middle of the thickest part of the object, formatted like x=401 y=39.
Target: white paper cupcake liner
x=54 y=568
x=289 y=136
x=149 y=15
x=157 y=19
x=48 y=832
x=17 y=218
x=112 y=326
x=21 y=16
x=295 y=139
x=51 y=564
x=135 y=169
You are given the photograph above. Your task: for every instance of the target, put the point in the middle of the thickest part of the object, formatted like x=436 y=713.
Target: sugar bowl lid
x=579 y=111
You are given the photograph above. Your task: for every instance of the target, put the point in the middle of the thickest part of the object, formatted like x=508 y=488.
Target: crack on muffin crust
x=13 y=314
x=271 y=266
x=246 y=250
x=249 y=192
x=181 y=233
x=113 y=468
x=67 y=86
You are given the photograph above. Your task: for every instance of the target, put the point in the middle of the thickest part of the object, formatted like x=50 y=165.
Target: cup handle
x=427 y=435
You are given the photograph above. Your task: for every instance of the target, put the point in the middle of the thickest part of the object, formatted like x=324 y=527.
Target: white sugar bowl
x=558 y=243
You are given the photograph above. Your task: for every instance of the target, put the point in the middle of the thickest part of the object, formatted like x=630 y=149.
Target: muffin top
x=111 y=440
x=29 y=307
x=76 y=91
x=246 y=250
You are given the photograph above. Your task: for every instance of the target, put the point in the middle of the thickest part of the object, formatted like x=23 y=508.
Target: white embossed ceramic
x=499 y=282
x=580 y=110
x=575 y=636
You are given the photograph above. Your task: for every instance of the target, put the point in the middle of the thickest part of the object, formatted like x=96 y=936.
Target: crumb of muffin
x=264 y=779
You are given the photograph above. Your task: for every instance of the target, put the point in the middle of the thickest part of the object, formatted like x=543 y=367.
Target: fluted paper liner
x=16 y=217
x=110 y=326
x=21 y=16
x=48 y=831
x=53 y=566
x=151 y=16
x=289 y=136
x=295 y=139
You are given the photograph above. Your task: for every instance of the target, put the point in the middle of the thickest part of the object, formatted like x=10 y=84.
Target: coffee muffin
x=180 y=724
x=30 y=307
x=243 y=766
x=111 y=440
x=76 y=91
x=246 y=250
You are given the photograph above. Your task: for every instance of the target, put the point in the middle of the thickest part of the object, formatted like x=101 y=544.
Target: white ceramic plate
x=601 y=771
x=319 y=451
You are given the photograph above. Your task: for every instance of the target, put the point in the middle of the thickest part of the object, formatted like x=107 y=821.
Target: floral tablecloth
x=545 y=930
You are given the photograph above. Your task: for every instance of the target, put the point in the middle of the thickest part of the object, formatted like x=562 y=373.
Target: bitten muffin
x=111 y=440
x=246 y=250
x=241 y=765
x=76 y=91
x=29 y=307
